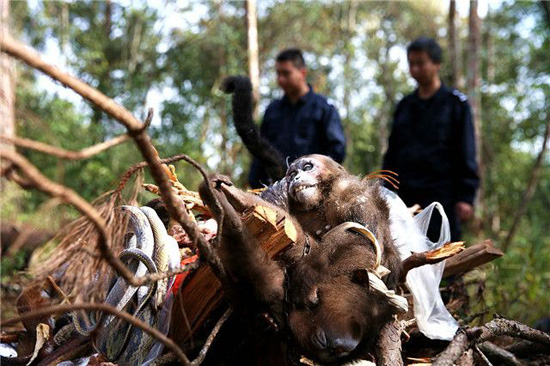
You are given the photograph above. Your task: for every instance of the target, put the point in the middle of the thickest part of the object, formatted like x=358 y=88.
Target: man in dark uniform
x=432 y=143
x=300 y=123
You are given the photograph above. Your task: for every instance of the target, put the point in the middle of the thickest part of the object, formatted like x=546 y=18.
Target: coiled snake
x=147 y=249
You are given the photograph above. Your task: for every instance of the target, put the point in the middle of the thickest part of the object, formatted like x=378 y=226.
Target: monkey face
x=340 y=323
x=306 y=177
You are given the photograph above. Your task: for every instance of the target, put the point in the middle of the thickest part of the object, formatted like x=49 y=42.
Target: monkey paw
x=216 y=180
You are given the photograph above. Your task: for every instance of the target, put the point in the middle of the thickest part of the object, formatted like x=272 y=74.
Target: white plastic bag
x=409 y=233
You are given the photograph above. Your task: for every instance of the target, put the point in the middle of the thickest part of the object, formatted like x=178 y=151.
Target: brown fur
x=342 y=197
x=332 y=315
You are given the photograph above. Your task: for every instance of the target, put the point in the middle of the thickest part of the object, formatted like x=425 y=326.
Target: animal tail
x=260 y=148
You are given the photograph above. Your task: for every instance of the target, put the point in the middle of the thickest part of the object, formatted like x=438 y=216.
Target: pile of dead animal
x=320 y=268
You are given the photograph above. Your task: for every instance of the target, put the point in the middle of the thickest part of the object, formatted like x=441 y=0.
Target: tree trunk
x=453 y=51
x=253 y=59
x=7 y=80
x=348 y=25
x=530 y=190
x=473 y=89
x=490 y=53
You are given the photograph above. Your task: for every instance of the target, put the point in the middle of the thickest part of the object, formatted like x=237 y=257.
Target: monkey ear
x=313 y=296
x=361 y=276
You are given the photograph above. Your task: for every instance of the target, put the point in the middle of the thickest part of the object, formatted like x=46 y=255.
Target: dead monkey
x=332 y=314
x=335 y=311
x=321 y=194
x=316 y=190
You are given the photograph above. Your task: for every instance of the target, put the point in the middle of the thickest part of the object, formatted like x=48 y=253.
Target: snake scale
x=147 y=249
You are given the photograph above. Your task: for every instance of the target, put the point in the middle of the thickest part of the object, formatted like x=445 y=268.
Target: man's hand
x=464 y=211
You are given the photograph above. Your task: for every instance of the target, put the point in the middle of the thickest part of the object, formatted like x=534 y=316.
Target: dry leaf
x=42 y=335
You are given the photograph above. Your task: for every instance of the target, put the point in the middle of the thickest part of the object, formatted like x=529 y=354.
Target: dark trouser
x=425 y=198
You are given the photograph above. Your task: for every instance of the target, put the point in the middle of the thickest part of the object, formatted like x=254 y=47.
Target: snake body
x=149 y=249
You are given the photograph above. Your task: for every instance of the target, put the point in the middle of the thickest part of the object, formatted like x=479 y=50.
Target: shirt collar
x=440 y=92
x=304 y=98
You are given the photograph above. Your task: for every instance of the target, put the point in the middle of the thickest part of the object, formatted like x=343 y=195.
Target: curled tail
x=260 y=148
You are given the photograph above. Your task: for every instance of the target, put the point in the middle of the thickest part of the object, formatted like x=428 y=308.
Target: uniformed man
x=301 y=122
x=432 y=143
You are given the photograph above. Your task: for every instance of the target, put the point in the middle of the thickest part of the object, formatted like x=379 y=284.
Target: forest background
x=173 y=56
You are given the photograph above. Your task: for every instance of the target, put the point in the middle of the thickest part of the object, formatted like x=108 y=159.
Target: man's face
x=289 y=77
x=422 y=68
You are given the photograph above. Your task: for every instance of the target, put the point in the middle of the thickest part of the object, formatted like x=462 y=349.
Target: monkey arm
x=256 y=276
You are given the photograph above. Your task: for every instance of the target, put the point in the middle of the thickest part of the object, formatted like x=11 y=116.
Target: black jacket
x=311 y=126
x=432 y=148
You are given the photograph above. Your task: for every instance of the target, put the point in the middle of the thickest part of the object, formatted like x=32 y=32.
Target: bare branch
x=504 y=357
x=31 y=58
x=431 y=257
x=472 y=257
x=142 y=140
x=45 y=185
x=65 y=154
x=146 y=279
x=108 y=309
x=10 y=174
x=170 y=357
x=466 y=339
x=388 y=350
x=202 y=354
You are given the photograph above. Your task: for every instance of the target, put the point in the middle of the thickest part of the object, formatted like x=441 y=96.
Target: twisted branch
x=62 y=153
x=31 y=58
x=138 y=132
x=467 y=338
x=43 y=184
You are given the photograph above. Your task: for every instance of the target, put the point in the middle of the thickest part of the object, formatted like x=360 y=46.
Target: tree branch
x=388 y=350
x=529 y=191
x=108 y=309
x=61 y=153
x=202 y=354
x=45 y=185
x=137 y=131
x=467 y=338
x=431 y=257
x=169 y=358
x=31 y=58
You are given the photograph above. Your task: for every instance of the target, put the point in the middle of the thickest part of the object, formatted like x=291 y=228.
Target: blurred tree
x=453 y=45
x=473 y=80
x=7 y=79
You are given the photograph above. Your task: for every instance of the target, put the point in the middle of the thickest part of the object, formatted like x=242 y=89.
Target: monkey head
x=341 y=319
x=335 y=312
x=309 y=179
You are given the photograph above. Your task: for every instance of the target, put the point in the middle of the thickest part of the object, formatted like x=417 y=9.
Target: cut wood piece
x=432 y=257
x=472 y=257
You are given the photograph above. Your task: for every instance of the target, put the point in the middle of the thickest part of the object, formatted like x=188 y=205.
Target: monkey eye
x=308 y=166
x=292 y=175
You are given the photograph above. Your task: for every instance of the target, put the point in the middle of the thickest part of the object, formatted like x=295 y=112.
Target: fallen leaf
x=42 y=335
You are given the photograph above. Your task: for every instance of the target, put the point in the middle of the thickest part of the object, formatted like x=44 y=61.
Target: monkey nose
x=338 y=346
x=319 y=339
x=343 y=346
